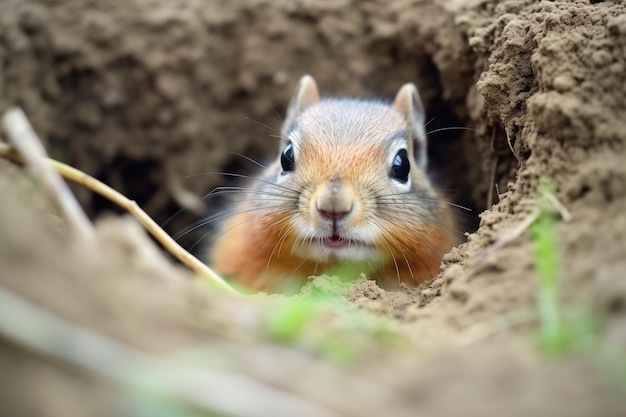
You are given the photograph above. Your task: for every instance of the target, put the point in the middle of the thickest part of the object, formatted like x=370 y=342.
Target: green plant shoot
x=553 y=334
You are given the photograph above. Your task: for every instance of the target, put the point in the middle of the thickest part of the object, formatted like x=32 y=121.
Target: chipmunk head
x=354 y=171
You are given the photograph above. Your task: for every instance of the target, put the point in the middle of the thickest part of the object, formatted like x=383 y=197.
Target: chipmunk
x=349 y=188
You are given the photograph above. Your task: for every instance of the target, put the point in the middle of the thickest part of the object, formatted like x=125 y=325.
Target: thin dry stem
x=563 y=211
x=524 y=225
x=131 y=206
x=25 y=140
x=508 y=140
x=512 y=235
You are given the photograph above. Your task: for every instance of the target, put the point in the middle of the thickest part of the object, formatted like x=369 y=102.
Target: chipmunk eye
x=401 y=167
x=287 y=158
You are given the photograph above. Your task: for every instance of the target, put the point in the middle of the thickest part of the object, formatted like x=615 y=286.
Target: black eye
x=287 y=159
x=401 y=167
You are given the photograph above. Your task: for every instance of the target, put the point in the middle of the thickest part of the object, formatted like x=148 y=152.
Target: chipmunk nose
x=333 y=215
x=334 y=202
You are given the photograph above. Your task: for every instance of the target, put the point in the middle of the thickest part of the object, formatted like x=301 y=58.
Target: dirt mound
x=144 y=94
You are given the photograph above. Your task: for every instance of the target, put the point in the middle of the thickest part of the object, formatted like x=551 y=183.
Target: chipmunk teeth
x=336 y=238
x=335 y=241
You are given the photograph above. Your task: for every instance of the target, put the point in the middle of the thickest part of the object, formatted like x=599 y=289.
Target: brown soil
x=144 y=94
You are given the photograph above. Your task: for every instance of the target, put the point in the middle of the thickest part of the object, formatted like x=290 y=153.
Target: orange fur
x=418 y=256
x=255 y=256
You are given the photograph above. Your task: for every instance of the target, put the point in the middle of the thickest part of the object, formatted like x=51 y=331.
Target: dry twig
x=146 y=221
x=513 y=234
x=517 y=231
x=25 y=140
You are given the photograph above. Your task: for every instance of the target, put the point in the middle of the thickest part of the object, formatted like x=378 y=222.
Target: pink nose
x=334 y=200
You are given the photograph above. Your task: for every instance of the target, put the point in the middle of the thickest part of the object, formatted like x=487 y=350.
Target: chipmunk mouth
x=336 y=241
x=337 y=247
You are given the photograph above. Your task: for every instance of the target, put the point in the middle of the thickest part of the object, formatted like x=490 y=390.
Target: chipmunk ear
x=409 y=103
x=305 y=95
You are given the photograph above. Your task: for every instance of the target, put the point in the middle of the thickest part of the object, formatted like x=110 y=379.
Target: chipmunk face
x=351 y=172
x=348 y=190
